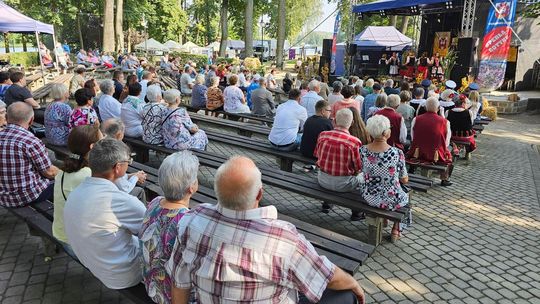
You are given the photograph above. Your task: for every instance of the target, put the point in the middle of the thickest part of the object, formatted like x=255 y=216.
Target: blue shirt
x=369 y=101
x=66 y=48
x=252 y=87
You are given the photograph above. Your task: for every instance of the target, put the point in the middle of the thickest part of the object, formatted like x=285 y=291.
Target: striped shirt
x=245 y=256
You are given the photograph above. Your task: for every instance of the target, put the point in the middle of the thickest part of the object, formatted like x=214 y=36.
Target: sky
x=328 y=25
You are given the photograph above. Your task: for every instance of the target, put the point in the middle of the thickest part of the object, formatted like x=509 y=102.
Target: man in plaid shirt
x=238 y=252
x=25 y=168
x=338 y=157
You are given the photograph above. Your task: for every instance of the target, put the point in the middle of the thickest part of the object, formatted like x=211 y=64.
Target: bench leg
x=244 y=133
x=141 y=155
x=375 y=228
x=285 y=164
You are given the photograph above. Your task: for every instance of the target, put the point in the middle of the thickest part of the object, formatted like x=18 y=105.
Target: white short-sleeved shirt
x=109 y=107
x=132 y=115
x=289 y=120
x=102 y=224
x=185 y=81
x=309 y=100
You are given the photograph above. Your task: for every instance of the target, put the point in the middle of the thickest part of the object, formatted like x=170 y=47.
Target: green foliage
x=531 y=10
x=200 y=60
x=25 y=59
x=168 y=21
x=448 y=62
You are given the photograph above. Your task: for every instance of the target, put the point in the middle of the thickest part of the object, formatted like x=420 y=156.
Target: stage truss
x=467 y=22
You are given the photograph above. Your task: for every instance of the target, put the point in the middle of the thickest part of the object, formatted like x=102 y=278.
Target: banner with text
x=496 y=44
x=334 y=43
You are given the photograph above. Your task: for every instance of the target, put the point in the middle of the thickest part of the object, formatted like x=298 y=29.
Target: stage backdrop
x=496 y=44
x=441 y=43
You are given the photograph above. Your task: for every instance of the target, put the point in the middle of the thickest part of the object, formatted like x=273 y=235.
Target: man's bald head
x=238 y=184
x=20 y=113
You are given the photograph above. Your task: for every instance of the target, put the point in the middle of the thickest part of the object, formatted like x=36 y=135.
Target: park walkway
x=474 y=242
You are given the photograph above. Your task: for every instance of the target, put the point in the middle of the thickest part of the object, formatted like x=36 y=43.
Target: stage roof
x=387 y=5
x=14 y=22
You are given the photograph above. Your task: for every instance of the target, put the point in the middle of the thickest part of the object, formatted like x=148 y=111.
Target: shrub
x=27 y=59
x=200 y=60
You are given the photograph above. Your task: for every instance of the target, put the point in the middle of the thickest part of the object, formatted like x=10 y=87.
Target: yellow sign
x=441 y=43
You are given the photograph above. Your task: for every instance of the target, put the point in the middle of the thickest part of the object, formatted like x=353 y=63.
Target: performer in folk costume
x=410 y=63
x=383 y=67
x=423 y=64
x=436 y=66
x=393 y=62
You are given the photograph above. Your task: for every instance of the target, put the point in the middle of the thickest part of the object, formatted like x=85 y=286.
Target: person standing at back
x=288 y=124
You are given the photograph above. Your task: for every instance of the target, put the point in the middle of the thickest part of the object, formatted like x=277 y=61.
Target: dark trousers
x=333 y=297
x=46 y=195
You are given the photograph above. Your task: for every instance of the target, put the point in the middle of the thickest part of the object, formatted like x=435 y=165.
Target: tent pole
x=56 y=53
x=40 y=59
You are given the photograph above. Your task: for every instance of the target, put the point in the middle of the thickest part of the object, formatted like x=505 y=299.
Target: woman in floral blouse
x=83 y=114
x=215 y=99
x=57 y=115
x=178 y=179
x=179 y=132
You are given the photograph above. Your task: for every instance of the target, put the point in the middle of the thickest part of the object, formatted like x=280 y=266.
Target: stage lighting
x=448 y=4
x=414 y=9
x=382 y=13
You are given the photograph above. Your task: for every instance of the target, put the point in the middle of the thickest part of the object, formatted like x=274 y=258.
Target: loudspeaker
x=351 y=49
x=459 y=72
x=326 y=54
x=467 y=50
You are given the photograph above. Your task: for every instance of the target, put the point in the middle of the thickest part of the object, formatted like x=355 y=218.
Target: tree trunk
x=248 y=28
x=224 y=27
x=404 y=24
x=108 y=26
x=118 y=25
x=6 y=42
x=81 y=41
x=128 y=40
x=209 y=38
x=23 y=39
x=393 y=21
x=281 y=33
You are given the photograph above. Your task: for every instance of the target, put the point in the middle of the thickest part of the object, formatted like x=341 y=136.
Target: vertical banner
x=441 y=43
x=496 y=44
x=334 y=42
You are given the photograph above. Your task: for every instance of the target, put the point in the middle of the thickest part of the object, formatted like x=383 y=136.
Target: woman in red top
x=347 y=102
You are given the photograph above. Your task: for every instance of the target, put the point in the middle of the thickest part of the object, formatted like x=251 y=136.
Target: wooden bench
x=41 y=94
x=103 y=71
x=462 y=145
x=168 y=81
x=242 y=128
x=243 y=117
x=297 y=184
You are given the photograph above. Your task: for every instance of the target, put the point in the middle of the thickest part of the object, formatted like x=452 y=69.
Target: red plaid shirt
x=250 y=256
x=22 y=158
x=338 y=153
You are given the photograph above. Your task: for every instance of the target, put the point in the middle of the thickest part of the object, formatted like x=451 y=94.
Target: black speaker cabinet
x=467 y=49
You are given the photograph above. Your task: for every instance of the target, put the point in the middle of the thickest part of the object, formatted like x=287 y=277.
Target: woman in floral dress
x=384 y=170
x=57 y=116
x=179 y=132
x=83 y=114
x=178 y=179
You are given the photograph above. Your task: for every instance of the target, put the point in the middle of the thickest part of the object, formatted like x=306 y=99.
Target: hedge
x=27 y=59
x=200 y=60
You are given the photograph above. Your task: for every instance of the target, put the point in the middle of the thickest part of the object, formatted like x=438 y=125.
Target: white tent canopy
x=382 y=36
x=151 y=45
x=172 y=45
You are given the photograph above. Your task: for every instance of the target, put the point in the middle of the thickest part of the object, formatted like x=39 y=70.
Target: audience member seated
x=221 y=229
x=370 y=99
x=430 y=135
x=5 y=83
x=146 y=77
x=3 y=110
x=84 y=113
x=153 y=114
x=347 y=92
x=199 y=93
x=314 y=125
x=77 y=81
x=475 y=105
x=406 y=110
x=324 y=91
x=309 y=100
x=118 y=79
x=18 y=91
x=178 y=179
x=252 y=87
x=336 y=93
x=358 y=128
x=262 y=100
x=73 y=171
x=380 y=103
x=389 y=87
x=131 y=79
x=82 y=59
x=398 y=136
x=358 y=96
x=447 y=99
x=288 y=124
x=102 y=222
x=132 y=111
x=27 y=171
x=215 y=99
x=461 y=122
x=186 y=82
x=287 y=83
x=338 y=159
x=368 y=86
x=108 y=106
x=418 y=99
x=304 y=88
x=384 y=170
x=235 y=102
x=179 y=132
x=57 y=115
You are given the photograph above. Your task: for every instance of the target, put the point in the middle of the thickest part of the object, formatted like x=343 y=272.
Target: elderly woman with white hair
x=108 y=106
x=153 y=114
x=199 y=93
x=3 y=111
x=384 y=170
x=177 y=177
x=57 y=115
x=178 y=131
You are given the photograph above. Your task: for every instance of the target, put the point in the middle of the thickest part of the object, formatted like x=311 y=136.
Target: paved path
x=475 y=242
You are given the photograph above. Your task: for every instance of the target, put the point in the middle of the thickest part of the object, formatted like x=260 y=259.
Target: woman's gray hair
x=344 y=118
x=2 y=104
x=393 y=101
x=177 y=173
x=171 y=95
x=153 y=93
x=199 y=79
x=432 y=104
x=244 y=197
x=107 y=86
x=377 y=126
x=381 y=100
x=215 y=81
x=106 y=153
x=59 y=91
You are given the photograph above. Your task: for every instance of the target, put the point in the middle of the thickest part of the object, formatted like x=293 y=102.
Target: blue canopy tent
x=13 y=21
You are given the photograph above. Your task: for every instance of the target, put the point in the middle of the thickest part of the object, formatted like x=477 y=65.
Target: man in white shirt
x=186 y=82
x=108 y=106
x=310 y=99
x=288 y=123
x=146 y=76
x=102 y=222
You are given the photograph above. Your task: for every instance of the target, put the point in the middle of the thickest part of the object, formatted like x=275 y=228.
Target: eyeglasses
x=328 y=110
x=129 y=161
